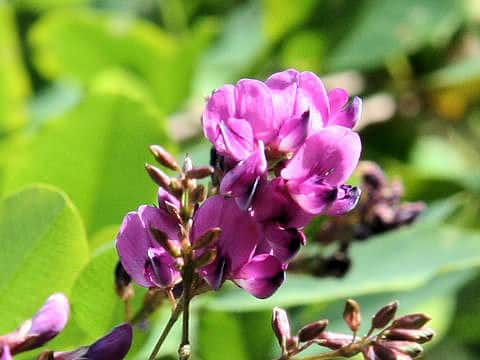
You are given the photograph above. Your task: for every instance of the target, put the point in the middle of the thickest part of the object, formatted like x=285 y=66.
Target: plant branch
x=173 y=319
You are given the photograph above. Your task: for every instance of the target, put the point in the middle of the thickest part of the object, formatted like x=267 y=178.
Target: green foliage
x=42 y=236
x=90 y=153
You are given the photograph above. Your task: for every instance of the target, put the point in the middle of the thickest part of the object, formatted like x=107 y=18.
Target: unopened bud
x=170 y=246
x=369 y=353
x=412 y=321
x=281 y=325
x=386 y=353
x=210 y=237
x=123 y=283
x=419 y=336
x=187 y=164
x=164 y=157
x=386 y=314
x=334 y=340
x=312 y=331
x=46 y=355
x=372 y=174
x=291 y=344
x=158 y=176
x=206 y=258
x=199 y=172
x=198 y=194
x=404 y=347
x=352 y=315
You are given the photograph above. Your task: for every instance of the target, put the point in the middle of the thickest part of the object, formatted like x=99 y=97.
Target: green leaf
x=385 y=29
x=400 y=260
x=95 y=152
x=462 y=73
x=14 y=83
x=42 y=248
x=80 y=44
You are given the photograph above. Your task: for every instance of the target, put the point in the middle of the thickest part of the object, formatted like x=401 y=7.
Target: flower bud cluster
x=379 y=210
x=389 y=338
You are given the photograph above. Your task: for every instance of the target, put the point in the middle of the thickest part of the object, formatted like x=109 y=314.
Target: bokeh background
x=87 y=85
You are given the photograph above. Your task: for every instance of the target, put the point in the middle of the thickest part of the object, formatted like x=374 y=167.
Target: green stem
x=184 y=349
x=173 y=319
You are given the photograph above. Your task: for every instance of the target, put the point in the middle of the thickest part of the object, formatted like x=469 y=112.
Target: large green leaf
x=14 y=84
x=399 y=260
x=80 y=44
x=385 y=29
x=95 y=152
x=42 y=248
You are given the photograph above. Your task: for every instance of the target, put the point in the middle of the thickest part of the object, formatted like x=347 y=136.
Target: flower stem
x=173 y=319
x=184 y=349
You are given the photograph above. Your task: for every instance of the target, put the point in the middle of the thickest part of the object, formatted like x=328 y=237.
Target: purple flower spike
x=261 y=276
x=142 y=257
x=44 y=326
x=113 y=346
x=237 y=241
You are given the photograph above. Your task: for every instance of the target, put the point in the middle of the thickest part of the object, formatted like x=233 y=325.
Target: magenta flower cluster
x=285 y=149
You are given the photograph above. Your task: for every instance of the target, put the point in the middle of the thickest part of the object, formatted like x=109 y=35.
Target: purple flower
x=113 y=346
x=148 y=263
x=42 y=327
x=236 y=260
x=315 y=175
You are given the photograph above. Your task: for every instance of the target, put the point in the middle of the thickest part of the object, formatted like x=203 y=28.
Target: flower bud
x=210 y=237
x=409 y=348
x=46 y=355
x=170 y=246
x=158 y=176
x=200 y=172
x=187 y=164
x=206 y=258
x=280 y=325
x=164 y=157
x=386 y=353
x=334 y=340
x=419 y=336
x=385 y=315
x=198 y=194
x=352 y=315
x=411 y=321
x=123 y=283
x=312 y=331
x=291 y=343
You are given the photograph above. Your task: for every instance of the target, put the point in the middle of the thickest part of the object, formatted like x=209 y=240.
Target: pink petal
x=312 y=96
x=261 y=276
x=337 y=98
x=347 y=116
x=254 y=104
x=283 y=87
x=313 y=198
x=330 y=156
x=284 y=243
x=347 y=199
x=294 y=132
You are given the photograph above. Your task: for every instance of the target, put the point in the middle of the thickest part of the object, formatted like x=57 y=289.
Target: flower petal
x=261 y=276
x=240 y=181
x=160 y=268
x=337 y=98
x=239 y=236
x=236 y=137
x=254 y=104
x=312 y=96
x=313 y=198
x=347 y=199
x=330 y=156
x=284 y=243
x=283 y=87
x=6 y=355
x=165 y=196
x=220 y=106
x=347 y=116
x=294 y=132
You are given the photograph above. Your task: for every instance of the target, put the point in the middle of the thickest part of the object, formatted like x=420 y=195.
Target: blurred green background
x=87 y=85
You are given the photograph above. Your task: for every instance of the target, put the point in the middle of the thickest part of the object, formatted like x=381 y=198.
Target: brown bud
x=312 y=331
x=386 y=353
x=123 y=283
x=46 y=355
x=158 y=176
x=210 y=237
x=281 y=326
x=292 y=343
x=386 y=314
x=199 y=172
x=172 y=247
x=164 y=157
x=334 y=340
x=412 y=321
x=419 y=336
x=352 y=315
x=206 y=258
x=198 y=194
x=369 y=353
